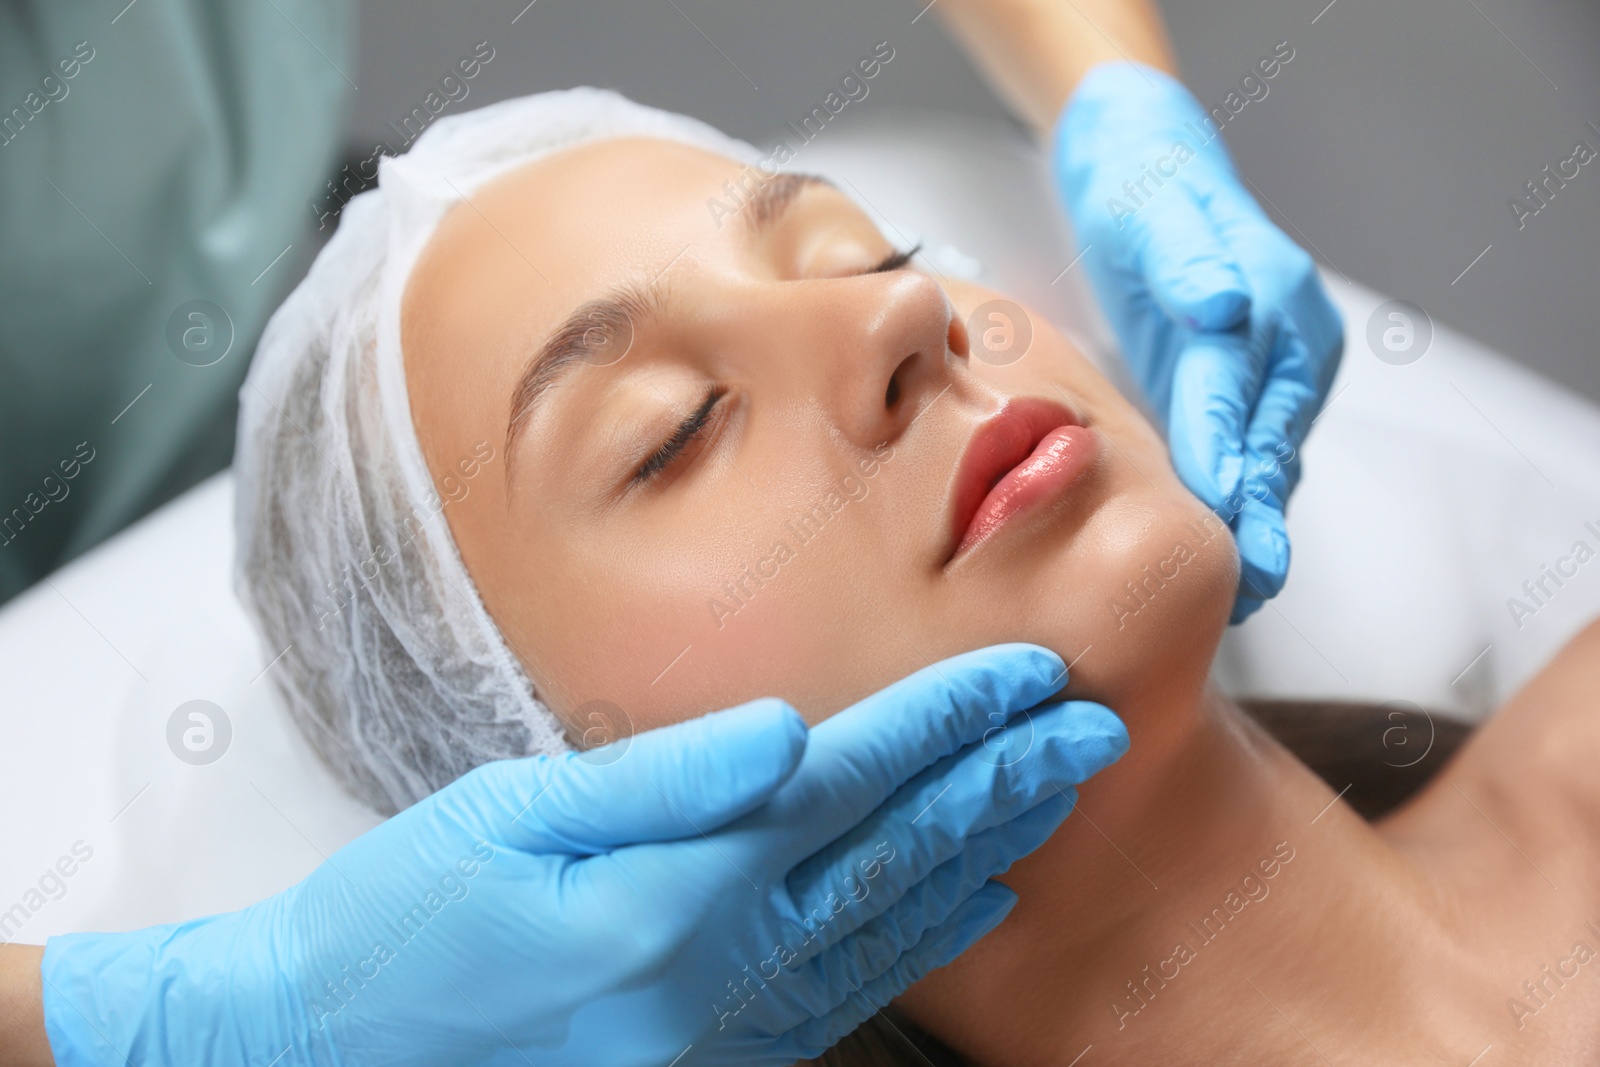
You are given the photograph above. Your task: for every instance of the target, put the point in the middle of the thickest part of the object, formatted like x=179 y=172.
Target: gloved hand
x=1221 y=317
x=729 y=890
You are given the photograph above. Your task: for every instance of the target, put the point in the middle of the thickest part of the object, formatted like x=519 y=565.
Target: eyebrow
x=583 y=335
x=773 y=197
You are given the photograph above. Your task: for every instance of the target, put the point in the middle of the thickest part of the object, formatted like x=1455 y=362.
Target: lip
x=1030 y=451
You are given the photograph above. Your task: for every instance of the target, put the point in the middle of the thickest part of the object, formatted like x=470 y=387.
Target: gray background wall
x=1390 y=146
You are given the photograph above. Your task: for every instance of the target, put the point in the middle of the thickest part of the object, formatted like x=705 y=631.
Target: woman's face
x=767 y=469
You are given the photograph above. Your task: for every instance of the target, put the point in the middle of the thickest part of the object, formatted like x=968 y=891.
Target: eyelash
x=681 y=438
x=896 y=260
x=695 y=424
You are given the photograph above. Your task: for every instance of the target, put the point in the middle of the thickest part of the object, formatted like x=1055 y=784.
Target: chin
x=1138 y=597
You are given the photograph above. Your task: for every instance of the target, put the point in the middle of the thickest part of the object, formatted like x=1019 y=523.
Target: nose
x=881 y=348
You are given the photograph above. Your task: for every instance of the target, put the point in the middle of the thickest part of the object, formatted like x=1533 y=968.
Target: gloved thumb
x=1190 y=270
x=678 y=781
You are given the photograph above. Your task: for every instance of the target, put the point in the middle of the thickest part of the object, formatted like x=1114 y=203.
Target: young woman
x=742 y=445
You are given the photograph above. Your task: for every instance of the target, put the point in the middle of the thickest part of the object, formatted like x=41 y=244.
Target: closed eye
x=896 y=260
x=692 y=427
x=686 y=434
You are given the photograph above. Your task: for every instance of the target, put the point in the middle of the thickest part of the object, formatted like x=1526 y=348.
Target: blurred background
x=1390 y=146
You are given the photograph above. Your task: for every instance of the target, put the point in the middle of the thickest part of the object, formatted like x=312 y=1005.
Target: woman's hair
x=889 y=1039
x=378 y=638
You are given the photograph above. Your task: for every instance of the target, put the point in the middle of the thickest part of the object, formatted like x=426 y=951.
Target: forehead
x=547 y=234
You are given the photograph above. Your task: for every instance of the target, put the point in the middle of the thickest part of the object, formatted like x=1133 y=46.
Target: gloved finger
x=1288 y=281
x=937 y=814
x=819 y=986
x=1283 y=414
x=1290 y=289
x=1188 y=267
x=1321 y=328
x=1290 y=397
x=1214 y=387
x=858 y=758
x=1244 y=607
x=1263 y=549
x=972 y=921
x=678 y=781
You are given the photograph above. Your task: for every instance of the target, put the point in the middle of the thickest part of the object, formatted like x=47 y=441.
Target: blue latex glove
x=730 y=890
x=1221 y=317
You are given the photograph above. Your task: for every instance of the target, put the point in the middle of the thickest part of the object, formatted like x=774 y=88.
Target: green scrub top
x=163 y=166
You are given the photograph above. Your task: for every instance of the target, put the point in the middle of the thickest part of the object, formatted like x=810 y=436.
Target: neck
x=1206 y=889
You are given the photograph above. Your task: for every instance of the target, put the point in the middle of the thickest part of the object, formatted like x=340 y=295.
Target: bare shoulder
x=1580 y=658
x=1504 y=842
x=1555 y=718
x=1540 y=752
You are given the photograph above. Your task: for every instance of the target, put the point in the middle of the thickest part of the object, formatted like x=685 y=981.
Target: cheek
x=671 y=636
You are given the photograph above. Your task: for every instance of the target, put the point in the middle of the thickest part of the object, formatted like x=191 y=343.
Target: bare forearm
x=1035 y=52
x=22 y=1038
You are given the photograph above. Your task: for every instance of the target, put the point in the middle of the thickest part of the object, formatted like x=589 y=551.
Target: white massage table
x=1432 y=492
